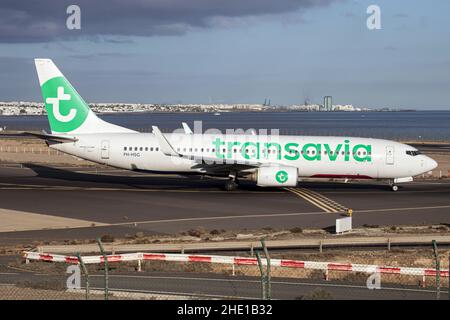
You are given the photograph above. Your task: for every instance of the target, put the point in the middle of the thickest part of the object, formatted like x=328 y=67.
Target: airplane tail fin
x=67 y=112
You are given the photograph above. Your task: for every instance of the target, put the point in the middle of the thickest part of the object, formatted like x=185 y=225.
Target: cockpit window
x=413 y=152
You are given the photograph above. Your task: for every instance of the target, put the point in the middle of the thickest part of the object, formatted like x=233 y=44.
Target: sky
x=233 y=51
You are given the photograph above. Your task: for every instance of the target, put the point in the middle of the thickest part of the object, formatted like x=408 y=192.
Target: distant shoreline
x=235 y=111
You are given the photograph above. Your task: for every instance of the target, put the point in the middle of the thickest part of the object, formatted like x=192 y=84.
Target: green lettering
x=244 y=149
x=270 y=145
x=291 y=147
x=332 y=154
x=365 y=156
x=347 y=150
x=317 y=155
x=230 y=148
x=217 y=144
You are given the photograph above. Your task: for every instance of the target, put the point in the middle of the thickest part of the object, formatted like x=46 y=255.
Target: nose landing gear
x=394 y=187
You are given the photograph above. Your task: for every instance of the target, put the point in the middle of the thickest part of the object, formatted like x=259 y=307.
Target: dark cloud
x=45 y=20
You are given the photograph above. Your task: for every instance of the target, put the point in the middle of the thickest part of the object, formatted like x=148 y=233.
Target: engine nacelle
x=276 y=176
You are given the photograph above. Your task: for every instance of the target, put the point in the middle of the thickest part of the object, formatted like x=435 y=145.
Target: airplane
x=268 y=160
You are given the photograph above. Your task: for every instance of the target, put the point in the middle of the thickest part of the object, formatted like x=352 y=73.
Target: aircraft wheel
x=394 y=188
x=231 y=185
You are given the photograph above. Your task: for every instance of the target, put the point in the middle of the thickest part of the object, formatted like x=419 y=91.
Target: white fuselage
x=314 y=156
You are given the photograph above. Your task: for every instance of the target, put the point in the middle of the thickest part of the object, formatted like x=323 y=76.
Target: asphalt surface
x=130 y=202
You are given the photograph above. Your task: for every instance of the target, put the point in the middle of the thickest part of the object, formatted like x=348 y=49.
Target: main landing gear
x=232 y=183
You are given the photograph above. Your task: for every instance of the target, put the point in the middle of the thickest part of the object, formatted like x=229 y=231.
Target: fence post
x=263 y=280
x=105 y=260
x=265 y=275
x=86 y=274
x=268 y=284
x=438 y=270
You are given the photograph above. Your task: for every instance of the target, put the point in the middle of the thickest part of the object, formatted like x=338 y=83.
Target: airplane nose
x=431 y=164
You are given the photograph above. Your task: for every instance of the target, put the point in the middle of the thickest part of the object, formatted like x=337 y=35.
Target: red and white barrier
x=311 y=265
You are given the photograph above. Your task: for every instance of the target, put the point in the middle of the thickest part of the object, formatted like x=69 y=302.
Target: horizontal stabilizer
x=50 y=137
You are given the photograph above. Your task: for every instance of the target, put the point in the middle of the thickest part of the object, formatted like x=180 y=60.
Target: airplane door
x=389 y=155
x=105 y=149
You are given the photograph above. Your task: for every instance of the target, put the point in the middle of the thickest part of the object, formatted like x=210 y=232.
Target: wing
x=209 y=164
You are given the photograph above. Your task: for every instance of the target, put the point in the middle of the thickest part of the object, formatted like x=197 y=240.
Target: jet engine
x=276 y=176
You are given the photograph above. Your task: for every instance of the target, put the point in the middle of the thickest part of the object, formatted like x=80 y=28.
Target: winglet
x=186 y=128
x=166 y=148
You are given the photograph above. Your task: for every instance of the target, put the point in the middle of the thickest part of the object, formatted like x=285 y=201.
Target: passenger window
x=146 y=148
x=135 y=148
x=141 y=149
x=151 y=149
x=156 y=149
x=124 y=148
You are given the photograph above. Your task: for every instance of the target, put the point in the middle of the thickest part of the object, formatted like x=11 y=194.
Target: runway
x=94 y=202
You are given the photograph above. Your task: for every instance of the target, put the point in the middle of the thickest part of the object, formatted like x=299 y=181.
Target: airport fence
x=30 y=150
x=182 y=276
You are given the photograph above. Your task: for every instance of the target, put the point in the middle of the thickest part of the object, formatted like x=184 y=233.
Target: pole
x=268 y=285
x=86 y=274
x=105 y=260
x=438 y=270
x=263 y=280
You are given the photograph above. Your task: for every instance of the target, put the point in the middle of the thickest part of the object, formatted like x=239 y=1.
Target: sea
x=410 y=125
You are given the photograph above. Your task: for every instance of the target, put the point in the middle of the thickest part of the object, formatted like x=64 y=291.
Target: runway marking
x=318 y=200
x=215 y=218
x=311 y=200
x=402 y=209
x=270 y=215
x=275 y=215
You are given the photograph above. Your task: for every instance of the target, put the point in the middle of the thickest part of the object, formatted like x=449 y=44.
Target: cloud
x=23 y=21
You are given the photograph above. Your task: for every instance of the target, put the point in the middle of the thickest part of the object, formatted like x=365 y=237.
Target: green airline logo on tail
x=65 y=108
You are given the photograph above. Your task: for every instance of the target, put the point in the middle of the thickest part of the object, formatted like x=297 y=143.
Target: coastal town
x=15 y=108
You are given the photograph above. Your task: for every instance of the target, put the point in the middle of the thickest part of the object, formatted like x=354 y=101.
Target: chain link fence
x=177 y=276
